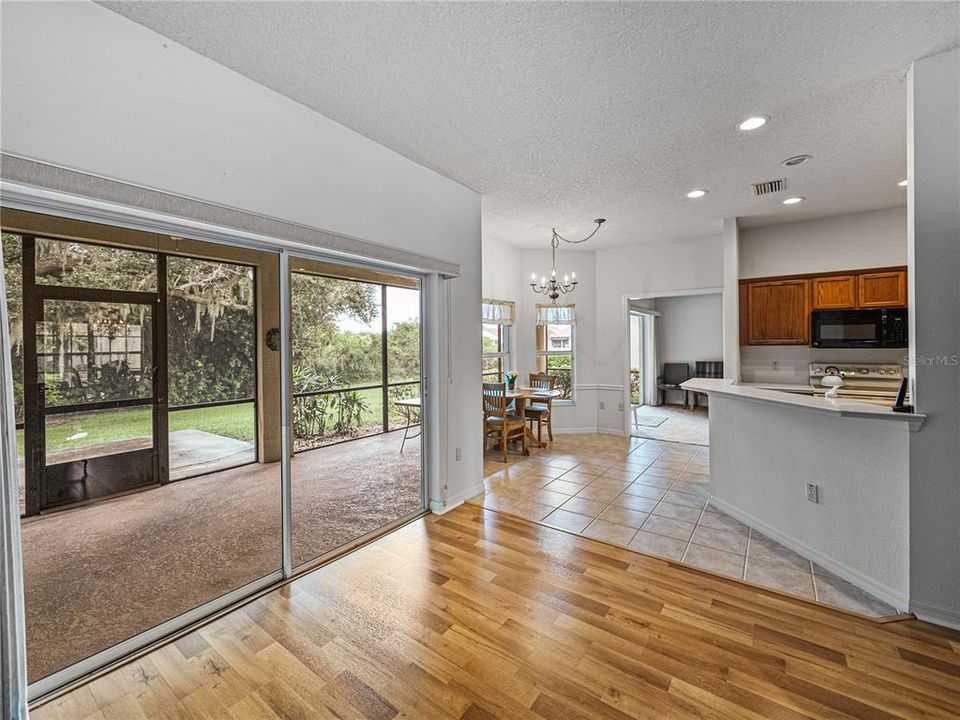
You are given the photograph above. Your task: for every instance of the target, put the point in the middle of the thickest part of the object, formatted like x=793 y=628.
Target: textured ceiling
x=562 y=112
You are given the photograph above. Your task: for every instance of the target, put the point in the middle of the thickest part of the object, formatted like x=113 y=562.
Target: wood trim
x=826 y=273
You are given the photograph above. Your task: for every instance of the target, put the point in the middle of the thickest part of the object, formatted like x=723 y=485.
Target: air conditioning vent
x=770 y=186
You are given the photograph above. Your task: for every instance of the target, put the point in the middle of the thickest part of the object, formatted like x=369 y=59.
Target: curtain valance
x=498 y=312
x=556 y=315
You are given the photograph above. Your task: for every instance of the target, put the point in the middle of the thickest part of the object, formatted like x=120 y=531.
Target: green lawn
x=235 y=421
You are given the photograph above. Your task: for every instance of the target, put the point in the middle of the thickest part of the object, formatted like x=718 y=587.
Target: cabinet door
x=882 y=289
x=779 y=312
x=834 y=292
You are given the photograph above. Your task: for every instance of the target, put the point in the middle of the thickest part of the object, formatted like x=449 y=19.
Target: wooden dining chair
x=541 y=410
x=498 y=420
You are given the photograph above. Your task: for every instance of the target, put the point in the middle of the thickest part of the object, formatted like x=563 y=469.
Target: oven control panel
x=886 y=372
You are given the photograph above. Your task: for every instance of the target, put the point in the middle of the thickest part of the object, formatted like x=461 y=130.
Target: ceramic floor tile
x=719 y=521
x=583 y=506
x=635 y=502
x=835 y=590
x=780 y=577
x=655 y=481
x=567 y=520
x=577 y=477
x=623 y=516
x=644 y=491
x=600 y=494
x=671 y=528
x=498 y=501
x=677 y=512
x=659 y=545
x=609 y=532
x=530 y=510
x=684 y=498
x=562 y=486
x=735 y=543
x=768 y=550
x=620 y=475
x=714 y=560
x=547 y=497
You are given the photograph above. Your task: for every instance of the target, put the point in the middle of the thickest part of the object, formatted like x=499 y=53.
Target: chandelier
x=554 y=287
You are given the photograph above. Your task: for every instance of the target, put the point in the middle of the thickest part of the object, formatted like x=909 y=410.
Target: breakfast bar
x=828 y=478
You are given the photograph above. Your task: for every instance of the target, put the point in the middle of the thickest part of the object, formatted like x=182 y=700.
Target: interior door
x=97 y=423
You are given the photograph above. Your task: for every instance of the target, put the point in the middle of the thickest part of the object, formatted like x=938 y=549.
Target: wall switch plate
x=813 y=493
x=620 y=407
x=459 y=455
x=603 y=405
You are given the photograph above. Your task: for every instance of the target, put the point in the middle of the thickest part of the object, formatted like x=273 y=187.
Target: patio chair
x=498 y=420
x=541 y=410
x=673 y=375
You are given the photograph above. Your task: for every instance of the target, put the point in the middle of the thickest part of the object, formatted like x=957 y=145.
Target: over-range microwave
x=877 y=328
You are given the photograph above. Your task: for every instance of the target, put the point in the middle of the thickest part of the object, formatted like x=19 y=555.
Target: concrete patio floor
x=100 y=573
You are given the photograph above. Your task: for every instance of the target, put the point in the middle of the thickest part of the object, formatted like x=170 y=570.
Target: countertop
x=781 y=395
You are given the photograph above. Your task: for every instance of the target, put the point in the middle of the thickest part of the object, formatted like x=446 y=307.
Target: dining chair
x=673 y=375
x=498 y=420
x=541 y=410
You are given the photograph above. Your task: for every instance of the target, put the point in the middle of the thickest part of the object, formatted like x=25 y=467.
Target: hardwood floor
x=478 y=615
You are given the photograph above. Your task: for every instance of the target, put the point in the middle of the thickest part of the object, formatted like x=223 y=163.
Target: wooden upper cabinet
x=882 y=289
x=778 y=312
x=834 y=292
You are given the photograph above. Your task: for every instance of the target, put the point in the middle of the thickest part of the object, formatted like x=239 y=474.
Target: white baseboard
x=575 y=431
x=948 y=617
x=891 y=596
x=611 y=431
x=438 y=508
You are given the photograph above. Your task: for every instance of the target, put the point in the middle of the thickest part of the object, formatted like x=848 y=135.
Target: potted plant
x=511 y=378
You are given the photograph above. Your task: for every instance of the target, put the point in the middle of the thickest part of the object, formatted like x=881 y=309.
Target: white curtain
x=651 y=361
x=556 y=315
x=499 y=312
x=13 y=652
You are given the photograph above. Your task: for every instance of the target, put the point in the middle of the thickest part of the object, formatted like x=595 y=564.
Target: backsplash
x=757 y=361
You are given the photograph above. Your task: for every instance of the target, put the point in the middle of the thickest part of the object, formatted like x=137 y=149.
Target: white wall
x=843 y=242
x=651 y=269
x=933 y=159
x=762 y=455
x=502 y=268
x=118 y=100
x=690 y=328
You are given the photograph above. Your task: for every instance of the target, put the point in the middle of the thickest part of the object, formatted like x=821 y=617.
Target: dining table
x=523 y=395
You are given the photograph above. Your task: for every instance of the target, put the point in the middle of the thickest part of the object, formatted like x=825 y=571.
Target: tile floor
x=653 y=496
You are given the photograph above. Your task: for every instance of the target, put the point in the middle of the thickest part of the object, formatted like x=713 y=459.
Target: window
x=556 y=343
x=497 y=324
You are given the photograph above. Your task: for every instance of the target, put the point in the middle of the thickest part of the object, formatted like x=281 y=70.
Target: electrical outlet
x=813 y=493
x=603 y=405
x=775 y=364
x=620 y=407
x=459 y=455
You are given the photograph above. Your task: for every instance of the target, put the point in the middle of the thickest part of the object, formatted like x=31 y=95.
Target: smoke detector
x=769 y=186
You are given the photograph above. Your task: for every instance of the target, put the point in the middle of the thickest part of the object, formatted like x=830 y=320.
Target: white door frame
x=625 y=314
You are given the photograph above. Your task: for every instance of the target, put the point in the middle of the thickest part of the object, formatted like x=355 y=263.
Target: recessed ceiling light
x=796 y=160
x=794 y=200
x=753 y=122
x=902 y=183
x=694 y=194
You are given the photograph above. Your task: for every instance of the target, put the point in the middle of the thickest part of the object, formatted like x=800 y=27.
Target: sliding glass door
x=355 y=373
x=148 y=392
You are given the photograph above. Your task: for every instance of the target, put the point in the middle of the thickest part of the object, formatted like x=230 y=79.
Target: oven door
x=846 y=328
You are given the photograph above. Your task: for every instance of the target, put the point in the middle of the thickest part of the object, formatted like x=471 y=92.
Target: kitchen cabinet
x=882 y=289
x=778 y=312
x=834 y=292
